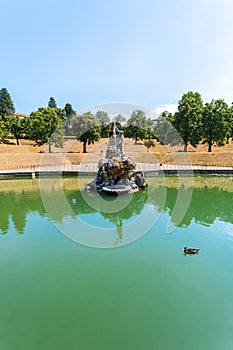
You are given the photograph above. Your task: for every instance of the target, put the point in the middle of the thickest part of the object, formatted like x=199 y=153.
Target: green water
x=58 y=294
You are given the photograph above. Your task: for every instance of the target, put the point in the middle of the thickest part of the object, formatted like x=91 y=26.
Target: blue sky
x=93 y=52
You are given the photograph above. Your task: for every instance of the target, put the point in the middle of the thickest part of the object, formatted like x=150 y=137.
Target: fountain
x=117 y=172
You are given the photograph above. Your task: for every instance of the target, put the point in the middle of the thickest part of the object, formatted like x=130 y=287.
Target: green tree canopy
x=187 y=120
x=61 y=113
x=104 y=121
x=86 y=128
x=3 y=131
x=149 y=143
x=215 y=123
x=119 y=119
x=6 y=104
x=138 y=127
x=103 y=118
x=42 y=124
x=230 y=123
x=164 y=130
x=57 y=138
x=69 y=113
x=52 y=103
x=15 y=126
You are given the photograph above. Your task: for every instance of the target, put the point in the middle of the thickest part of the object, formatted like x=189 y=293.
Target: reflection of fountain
x=119 y=229
x=122 y=217
x=117 y=171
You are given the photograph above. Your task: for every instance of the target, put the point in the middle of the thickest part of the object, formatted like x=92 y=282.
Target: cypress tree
x=52 y=103
x=6 y=104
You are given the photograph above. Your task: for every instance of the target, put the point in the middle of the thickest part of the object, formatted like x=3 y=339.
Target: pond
x=59 y=291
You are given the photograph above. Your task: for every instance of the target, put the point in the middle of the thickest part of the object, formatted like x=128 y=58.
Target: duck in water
x=191 y=250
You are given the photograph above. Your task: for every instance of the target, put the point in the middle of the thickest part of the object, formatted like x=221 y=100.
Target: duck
x=191 y=250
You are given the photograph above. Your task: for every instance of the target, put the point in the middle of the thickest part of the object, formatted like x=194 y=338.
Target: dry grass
x=27 y=154
x=220 y=156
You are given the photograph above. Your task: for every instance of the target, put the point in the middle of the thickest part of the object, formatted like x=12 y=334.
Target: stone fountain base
x=117 y=175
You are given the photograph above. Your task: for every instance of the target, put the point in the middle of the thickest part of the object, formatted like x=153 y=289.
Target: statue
x=118 y=137
x=119 y=143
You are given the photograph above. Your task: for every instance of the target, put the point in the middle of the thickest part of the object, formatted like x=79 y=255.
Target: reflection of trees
x=135 y=206
x=216 y=203
x=16 y=205
x=207 y=204
x=19 y=220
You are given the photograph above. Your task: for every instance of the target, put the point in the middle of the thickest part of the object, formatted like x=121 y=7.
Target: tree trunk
x=185 y=147
x=50 y=150
x=84 y=146
x=17 y=140
x=209 y=147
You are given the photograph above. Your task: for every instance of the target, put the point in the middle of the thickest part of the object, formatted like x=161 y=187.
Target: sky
x=89 y=53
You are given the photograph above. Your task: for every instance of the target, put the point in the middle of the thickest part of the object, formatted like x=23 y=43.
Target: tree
x=138 y=126
x=187 y=120
x=6 y=104
x=86 y=128
x=104 y=120
x=52 y=103
x=149 y=143
x=69 y=114
x=3 y=131
x=230 y=123
x=119 y=119
x=57 y=138
x=42 y=124
x=215 y=123
x=164 y=130
x=15 y=126
x=61 y=113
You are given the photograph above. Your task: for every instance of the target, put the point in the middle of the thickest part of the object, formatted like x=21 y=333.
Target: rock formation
x=117 y=171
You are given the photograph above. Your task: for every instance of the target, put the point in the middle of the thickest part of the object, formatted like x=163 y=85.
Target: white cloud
x=155 y=113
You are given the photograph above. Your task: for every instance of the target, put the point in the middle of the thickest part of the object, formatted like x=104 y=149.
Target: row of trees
x=193 y=122
x=47 y=124
x=196 y=122
x=50 y=124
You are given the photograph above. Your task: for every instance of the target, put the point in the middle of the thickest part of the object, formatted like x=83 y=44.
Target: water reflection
x=211 y=200
x=207 y=205
x=134 y=208
x=19 y=198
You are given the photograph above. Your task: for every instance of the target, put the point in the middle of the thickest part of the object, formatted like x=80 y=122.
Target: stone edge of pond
x=91 y=170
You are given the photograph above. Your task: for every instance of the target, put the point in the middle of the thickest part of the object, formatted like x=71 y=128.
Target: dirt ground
x=220 y=156
x=27 y=154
